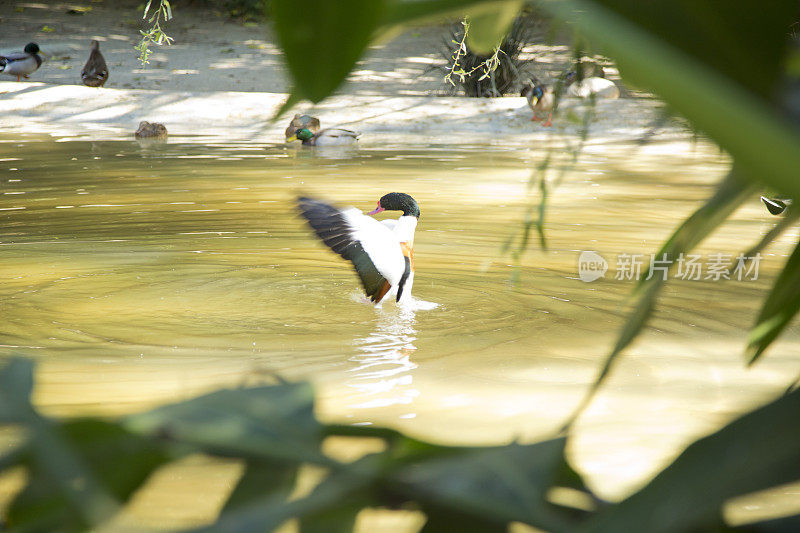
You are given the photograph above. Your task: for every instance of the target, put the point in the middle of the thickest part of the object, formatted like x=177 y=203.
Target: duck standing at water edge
x=540 y=98
x=381 y=252
x=22 y=64
x=95 y=72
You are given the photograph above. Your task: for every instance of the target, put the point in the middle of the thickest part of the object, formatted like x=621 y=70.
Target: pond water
x=143 y=274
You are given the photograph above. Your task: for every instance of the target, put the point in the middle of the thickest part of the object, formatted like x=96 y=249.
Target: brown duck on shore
x=95 y=71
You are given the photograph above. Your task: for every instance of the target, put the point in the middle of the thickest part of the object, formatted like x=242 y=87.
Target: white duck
x=382 y=253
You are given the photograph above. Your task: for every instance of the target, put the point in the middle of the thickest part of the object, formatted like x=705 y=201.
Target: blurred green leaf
x=726 y=101
x=488 y=27
x=788 y=524
x=735 y=26
x=781 y=305
x=445 y=520
x=497 y=485
x=16 y=384
x=109 y=457
x=261 y=478
x=417 y=11
x=755 y=452
x=339 y=518
x=322 y=40
x=268 y=513
x=273 y=423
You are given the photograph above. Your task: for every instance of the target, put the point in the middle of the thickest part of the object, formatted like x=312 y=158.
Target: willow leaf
x=781 y=305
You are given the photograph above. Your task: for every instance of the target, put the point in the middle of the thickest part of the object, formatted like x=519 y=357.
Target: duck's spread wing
x=356 y=237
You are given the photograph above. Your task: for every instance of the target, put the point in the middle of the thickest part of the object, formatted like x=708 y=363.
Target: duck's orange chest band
x=408 y=252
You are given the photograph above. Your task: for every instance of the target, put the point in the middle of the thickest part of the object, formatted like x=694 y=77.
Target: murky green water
x=139 y=275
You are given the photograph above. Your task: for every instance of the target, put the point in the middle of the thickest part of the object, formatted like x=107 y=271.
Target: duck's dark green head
x=304 y=134
x=31 y=48
x=398 y=201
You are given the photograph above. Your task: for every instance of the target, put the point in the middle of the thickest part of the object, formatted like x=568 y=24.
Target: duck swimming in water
x=306 y=129
x=329 y=137
x=300 y=122
x=22 y=64
x=382 y=253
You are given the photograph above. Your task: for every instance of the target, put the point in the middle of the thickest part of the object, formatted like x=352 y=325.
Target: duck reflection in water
x=383 y=371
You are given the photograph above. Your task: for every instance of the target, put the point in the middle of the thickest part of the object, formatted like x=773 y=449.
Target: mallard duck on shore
x=540 y=98
x=95 y=71
x=306 y=129
x=22 y=64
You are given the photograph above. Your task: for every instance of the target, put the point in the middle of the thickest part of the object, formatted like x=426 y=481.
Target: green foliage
x=492 y=74
x=273 y=431
x=154 y=34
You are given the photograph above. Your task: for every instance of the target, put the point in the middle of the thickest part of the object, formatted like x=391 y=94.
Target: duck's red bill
x=376 y=210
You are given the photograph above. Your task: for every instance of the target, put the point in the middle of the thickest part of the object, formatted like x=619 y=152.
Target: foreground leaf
x=781 y=305
x=661 y=53
x=488 y=27
x=16 y=383
x=493 y=485
x=261 y=478
x=322 y=40
x=274 y=423
x=758 y=451
x=266 y=514
x=116 y=460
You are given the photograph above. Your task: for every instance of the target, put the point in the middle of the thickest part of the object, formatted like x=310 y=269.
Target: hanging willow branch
x=155 y=35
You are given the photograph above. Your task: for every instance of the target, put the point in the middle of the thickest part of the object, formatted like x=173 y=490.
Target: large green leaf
x=781 y=305
x=758 y=451
x=70 y=482
x=322 y=40
x=261 y=478
x=788 y=524
x=339 y=518
x=700 y=82
x=345 y=484
x=115 y=459
x=496 y=485
x=16 y=383
x=273 y=423
x=488 y=27
x=745 y=45
x=418 y=11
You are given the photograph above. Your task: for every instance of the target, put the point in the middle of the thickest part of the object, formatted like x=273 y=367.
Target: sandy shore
x=226 y=79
